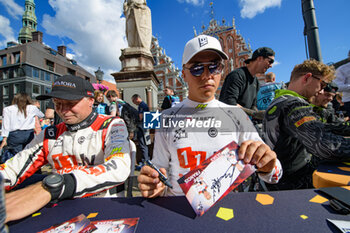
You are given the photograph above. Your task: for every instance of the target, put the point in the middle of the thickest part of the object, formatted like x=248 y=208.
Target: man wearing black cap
x=241 y=86
x=89 y=153
x=323 y=106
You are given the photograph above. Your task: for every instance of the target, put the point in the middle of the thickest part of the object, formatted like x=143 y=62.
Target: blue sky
x=94 y=30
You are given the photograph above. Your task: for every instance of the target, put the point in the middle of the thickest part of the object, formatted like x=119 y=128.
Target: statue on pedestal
x=138 y=23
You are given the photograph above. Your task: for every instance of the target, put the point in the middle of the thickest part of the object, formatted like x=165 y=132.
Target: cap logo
x=64 y=84
x=202 y=41
x=89 y=93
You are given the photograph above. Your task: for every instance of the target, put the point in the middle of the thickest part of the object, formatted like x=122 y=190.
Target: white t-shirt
x=13 y=119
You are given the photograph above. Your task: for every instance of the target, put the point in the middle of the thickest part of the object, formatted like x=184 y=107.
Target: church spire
x=29 y=23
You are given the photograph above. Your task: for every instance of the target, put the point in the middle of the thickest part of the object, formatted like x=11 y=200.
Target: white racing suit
x=179 y=148
x=93 y=156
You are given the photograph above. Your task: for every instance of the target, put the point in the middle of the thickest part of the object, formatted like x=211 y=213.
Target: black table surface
x=174 y=214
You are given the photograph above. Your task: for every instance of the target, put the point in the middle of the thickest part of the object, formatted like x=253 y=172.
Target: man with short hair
x=89 y=153
x=170 y=99
x=241 y=86
x=142 y=134
x=270 y=77
x=266 y=92
x=179 y=149
x=295 y=132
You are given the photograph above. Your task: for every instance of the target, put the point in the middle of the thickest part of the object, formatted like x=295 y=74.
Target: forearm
x=26 y=201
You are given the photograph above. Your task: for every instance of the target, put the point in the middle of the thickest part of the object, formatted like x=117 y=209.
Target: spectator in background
x=37 y=127
x=343 y=81
x=266 y=92
x=171 y=99
x=113 y=105
x=241 y=86
x=142 y=134
x=51 y=114
x=18 y=123
x=99 y=106
x=294 y=131
x=323 y=106
x=130 y=115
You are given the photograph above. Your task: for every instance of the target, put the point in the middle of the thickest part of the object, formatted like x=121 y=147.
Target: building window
x=4 y=74
x=35 y=73
x=5 y=90
x=55 y=77
x=16 y=88
x=47 y=77
x=36 y=89
x=47 y=90
x=87 y=79
x=17 y=57
x=50 y=65
x=70 y=71
x=4 y=60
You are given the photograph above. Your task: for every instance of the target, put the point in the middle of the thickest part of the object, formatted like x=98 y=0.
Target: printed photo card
x=214 y=178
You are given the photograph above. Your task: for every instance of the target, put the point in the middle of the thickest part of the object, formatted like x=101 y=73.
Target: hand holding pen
x=150 y=181
x=162 y=178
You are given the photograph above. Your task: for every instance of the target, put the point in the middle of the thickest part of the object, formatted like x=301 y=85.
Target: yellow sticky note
x=304 y=217
x=264 y=199
x=92 y=215
x=36 y=214
x=318 y=199
x=225 y=213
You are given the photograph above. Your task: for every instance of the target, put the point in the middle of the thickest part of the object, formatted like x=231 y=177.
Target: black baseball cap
x=331 y=87
x=69 y=87
x=263 y=51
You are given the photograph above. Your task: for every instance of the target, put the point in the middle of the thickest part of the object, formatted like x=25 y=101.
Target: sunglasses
x=271 y=61
x=213 y=67
x=323 y=83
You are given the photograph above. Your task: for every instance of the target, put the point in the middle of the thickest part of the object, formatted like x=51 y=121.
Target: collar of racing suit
x=281 y=92
x=84 y=124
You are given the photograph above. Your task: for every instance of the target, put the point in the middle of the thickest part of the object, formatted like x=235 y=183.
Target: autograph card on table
x=126 y=225
x=214 y=178
x=79 y=224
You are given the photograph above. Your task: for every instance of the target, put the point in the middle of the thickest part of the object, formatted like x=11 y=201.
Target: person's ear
x=183 y=74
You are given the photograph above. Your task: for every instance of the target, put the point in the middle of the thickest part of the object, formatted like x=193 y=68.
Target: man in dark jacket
x=241 y=86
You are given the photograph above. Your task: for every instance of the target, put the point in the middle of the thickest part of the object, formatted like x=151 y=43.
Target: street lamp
x=99 y=75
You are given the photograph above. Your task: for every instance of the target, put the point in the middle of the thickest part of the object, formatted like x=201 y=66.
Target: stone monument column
x=137 y=72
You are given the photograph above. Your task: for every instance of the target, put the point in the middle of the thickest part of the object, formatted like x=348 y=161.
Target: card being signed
x=214 y=178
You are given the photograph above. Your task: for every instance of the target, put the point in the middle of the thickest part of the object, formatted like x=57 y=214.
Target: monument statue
x=138 y=23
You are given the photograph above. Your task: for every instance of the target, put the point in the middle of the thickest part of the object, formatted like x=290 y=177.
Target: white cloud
x=96 y=29
x=6 y=32
x=250 y=8
x=12 y=8
x=193 y=2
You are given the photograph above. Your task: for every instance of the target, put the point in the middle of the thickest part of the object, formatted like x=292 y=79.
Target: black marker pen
x=162 y=177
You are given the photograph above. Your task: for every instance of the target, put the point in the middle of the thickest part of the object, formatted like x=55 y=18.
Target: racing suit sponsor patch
x=119 y=154
x=304 y=120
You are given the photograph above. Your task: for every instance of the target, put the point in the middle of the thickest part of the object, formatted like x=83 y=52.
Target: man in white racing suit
x=89 y=153
x=200 y=125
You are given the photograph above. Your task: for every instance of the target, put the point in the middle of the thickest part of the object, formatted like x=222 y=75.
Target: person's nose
x=206 y=73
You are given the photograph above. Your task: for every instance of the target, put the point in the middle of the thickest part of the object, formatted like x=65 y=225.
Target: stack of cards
x=81 y=224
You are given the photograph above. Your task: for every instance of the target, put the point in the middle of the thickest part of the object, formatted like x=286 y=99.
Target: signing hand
x=149 y=183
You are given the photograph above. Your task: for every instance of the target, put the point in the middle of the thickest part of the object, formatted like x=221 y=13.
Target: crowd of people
x=87 y=142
